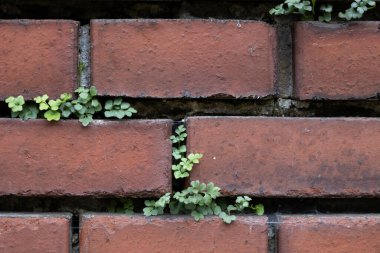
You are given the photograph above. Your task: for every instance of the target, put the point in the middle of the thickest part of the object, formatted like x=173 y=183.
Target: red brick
x=34 y=233
x=122 y=233
x=126 y=158
x=337 y=61
x=183 y=58
x=287 y=157
x=330 y=234
x=38 y=57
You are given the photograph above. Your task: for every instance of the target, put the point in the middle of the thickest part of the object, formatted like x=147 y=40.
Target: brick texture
x=32 y=233
x=183 y=58
x=37 y=57
x=330 y=234
x=287 y=157
x=337 y=61
x=107 y=158
x=138 y=234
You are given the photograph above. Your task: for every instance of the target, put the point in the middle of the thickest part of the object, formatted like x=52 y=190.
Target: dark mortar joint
x=85 y=10
x=272 y=233
x=178 y=109
x=78 y=205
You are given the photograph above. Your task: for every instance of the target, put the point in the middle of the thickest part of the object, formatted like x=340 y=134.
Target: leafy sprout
x=15 y=103
x=117 y=108
x=182 y=169
x=307 y=9
x=153 y=208
x=357 y=9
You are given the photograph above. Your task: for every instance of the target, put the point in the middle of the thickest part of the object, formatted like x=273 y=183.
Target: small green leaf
x=29 y=112
x=227 y=218
x=197 y=215
x=52 y=115
x=93 y=91
x=258 y=209
x=85 y=119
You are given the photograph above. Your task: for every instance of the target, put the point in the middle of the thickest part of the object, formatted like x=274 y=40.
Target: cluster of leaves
x=357 y=9
x=308 y=10
x=183 y=164
x=153 y=208
x=199 y=199
x=83 y=107
x=118 y=108
x=52 y=107
x=21 y=109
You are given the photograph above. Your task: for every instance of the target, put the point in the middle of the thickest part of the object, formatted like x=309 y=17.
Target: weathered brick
x=183 y=58
x=287 y=157
x=337 y=61
x=329 y=234
x=35 y=233
x=126 y=158
x=37 y=57
x=122 y=233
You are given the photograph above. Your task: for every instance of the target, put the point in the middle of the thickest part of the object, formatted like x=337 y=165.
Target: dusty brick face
x=337 y=61
x=183 y=58
x=107 y=158
x=287 y=157
x=329 y=234
x=121 y=233
x=35 y=233
x=38 y=57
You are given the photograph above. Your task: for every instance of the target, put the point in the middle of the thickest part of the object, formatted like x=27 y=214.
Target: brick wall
x=300 y=133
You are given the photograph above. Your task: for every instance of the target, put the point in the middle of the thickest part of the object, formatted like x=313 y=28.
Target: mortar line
x=272 y=233
x=84 y=56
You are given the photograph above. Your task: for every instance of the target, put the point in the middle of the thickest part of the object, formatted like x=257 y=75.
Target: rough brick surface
x=183 y=58
x=138 y=234
x=330 y=234
x=107 y=158
x=337 y=61
x=289 y=157
x=31 y=233
x=38 y=57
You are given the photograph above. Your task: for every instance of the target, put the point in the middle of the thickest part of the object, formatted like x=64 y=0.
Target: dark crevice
x=78 y=205
x=75 y=234
x=85 y=10
x=178 y=109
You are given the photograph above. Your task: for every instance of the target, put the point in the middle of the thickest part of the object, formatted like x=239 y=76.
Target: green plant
x=199 y=199
x=52 y=107
x=357 y=9
x=29 y=111
x=292 y=7
x=177 y=139
x=15 y=103
x=83 y=107
x=156 y=207
x=183 y=164
x=126 y=206
x=118 y=108
x=21 y=109
x=182 y=169
x=81 y=67
x=307 y=9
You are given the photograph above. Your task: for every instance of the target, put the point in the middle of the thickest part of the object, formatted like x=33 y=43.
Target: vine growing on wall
x=311 y=10
x=199 y=199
